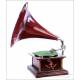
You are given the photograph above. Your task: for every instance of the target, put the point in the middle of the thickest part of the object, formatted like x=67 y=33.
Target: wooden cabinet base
x=39 y=74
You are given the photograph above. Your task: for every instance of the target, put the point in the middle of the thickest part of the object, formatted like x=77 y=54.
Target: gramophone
x=44 y=63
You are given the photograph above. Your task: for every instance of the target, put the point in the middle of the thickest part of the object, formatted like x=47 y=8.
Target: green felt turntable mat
x=45 y=53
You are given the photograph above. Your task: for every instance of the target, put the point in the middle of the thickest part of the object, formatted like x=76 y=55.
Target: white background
x=55 y=16
x=3 y=40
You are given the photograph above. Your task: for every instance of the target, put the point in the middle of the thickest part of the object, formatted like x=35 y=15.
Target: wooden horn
x=27 y=27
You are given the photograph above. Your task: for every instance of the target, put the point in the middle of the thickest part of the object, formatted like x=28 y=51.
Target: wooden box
x=47 y=66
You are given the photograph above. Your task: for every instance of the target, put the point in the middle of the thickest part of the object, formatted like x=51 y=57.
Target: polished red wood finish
x=27 y=27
